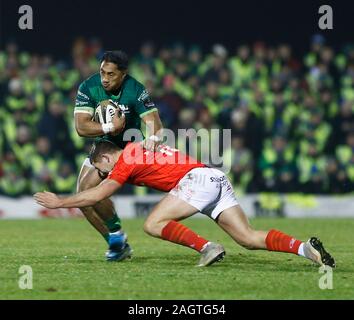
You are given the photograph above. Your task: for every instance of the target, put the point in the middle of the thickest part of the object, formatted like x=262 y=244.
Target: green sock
x=113 y=224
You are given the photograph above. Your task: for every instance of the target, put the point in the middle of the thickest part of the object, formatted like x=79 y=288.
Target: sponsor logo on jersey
x=143 y=96
x=218 y=179
x=149 y=104
x=80 y=94
x=124 y=108
x=79 y=103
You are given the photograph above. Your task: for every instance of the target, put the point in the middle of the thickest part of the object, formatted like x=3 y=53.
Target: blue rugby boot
x=118 y=249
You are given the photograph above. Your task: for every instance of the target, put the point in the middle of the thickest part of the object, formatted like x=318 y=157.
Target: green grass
x=67 y=259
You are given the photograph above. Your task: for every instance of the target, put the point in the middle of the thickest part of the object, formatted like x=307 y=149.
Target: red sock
x=278 y=241
x=178 y=233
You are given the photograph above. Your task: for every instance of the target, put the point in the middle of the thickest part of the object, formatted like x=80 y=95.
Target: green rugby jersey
x=132 y=98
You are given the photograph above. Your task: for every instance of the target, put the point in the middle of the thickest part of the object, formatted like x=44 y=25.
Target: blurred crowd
x=292 y=118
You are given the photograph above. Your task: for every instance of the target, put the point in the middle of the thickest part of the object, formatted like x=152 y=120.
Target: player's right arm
x=82 y=199
x=84 y=110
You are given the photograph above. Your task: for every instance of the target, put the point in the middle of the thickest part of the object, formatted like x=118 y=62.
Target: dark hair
x=100 y=147
x=120 y=58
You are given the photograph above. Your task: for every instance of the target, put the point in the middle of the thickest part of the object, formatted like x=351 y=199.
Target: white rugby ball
x=105 y=111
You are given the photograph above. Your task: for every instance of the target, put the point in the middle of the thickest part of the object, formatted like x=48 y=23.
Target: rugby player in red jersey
x=192 y=187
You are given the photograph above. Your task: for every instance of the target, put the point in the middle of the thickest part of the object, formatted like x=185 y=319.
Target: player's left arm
x=154 y=131
x=149 y=113
x=86 y=198
x=153 y=124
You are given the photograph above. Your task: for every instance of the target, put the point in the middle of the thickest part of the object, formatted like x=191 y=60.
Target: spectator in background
x=23 y=147
x=241 y=165
x=65 y=180
x=170 y=98
x=44 y=166
x=337 y=179
x=276 y=163
x=13 y=179
x=54 y=126
x=311 y=166
x=343 y=123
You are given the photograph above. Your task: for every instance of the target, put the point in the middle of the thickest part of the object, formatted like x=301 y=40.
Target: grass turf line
x=67 y=259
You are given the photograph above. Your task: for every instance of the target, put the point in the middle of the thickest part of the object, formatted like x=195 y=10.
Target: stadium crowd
x=292 y=118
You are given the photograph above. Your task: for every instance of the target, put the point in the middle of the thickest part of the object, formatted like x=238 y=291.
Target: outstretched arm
x=86 y=198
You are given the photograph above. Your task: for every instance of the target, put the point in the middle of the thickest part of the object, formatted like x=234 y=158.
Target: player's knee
x=84 y=184
x=249 y=245
x=248 y=240
x=149 y=227
x=153 y=227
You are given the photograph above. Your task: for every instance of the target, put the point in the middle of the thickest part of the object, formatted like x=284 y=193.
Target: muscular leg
x=103 y=212
x=235 y=223
x=162 y=223
x=169 y=208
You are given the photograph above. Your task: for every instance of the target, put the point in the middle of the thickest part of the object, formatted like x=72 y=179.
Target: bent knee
x=88 y=181
x=153 y=227
x=248 y=240
x=149 y=228
x=249 y=245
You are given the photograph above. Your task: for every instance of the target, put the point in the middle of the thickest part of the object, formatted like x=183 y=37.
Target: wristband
x=107 y=127
x=154 y=138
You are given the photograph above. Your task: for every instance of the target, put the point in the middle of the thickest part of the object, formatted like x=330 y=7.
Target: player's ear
x=105 y=158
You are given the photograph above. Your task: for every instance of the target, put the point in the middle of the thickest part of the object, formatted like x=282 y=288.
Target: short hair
x=119 y=58
x=100 y=147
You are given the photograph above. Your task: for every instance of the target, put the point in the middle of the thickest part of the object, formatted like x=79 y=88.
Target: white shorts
x=87 y=163
x=207 y=189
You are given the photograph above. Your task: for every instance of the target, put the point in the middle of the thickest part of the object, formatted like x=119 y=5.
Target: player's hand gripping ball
x=108 y=112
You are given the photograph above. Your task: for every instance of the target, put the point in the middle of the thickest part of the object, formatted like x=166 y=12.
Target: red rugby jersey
x=159 y=170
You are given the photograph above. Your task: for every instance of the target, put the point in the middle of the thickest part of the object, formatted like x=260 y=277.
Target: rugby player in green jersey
x=112 y=83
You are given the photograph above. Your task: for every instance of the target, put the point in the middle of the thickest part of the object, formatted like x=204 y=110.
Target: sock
x=278 y=241
x=180 y=234
x=301 y=252
x=113 y=224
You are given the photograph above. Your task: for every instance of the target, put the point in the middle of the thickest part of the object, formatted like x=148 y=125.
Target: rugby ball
x=105 y=111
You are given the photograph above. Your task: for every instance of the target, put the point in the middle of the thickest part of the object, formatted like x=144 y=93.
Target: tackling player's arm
x=86 y=198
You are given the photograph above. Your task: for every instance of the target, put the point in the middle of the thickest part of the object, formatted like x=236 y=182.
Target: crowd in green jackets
x=291 y=115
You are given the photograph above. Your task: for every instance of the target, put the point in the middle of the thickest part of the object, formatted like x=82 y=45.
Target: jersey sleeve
x=84 y=103
x=144 y=104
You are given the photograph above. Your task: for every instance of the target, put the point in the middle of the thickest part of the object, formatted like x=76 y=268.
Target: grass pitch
x=67 y=259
